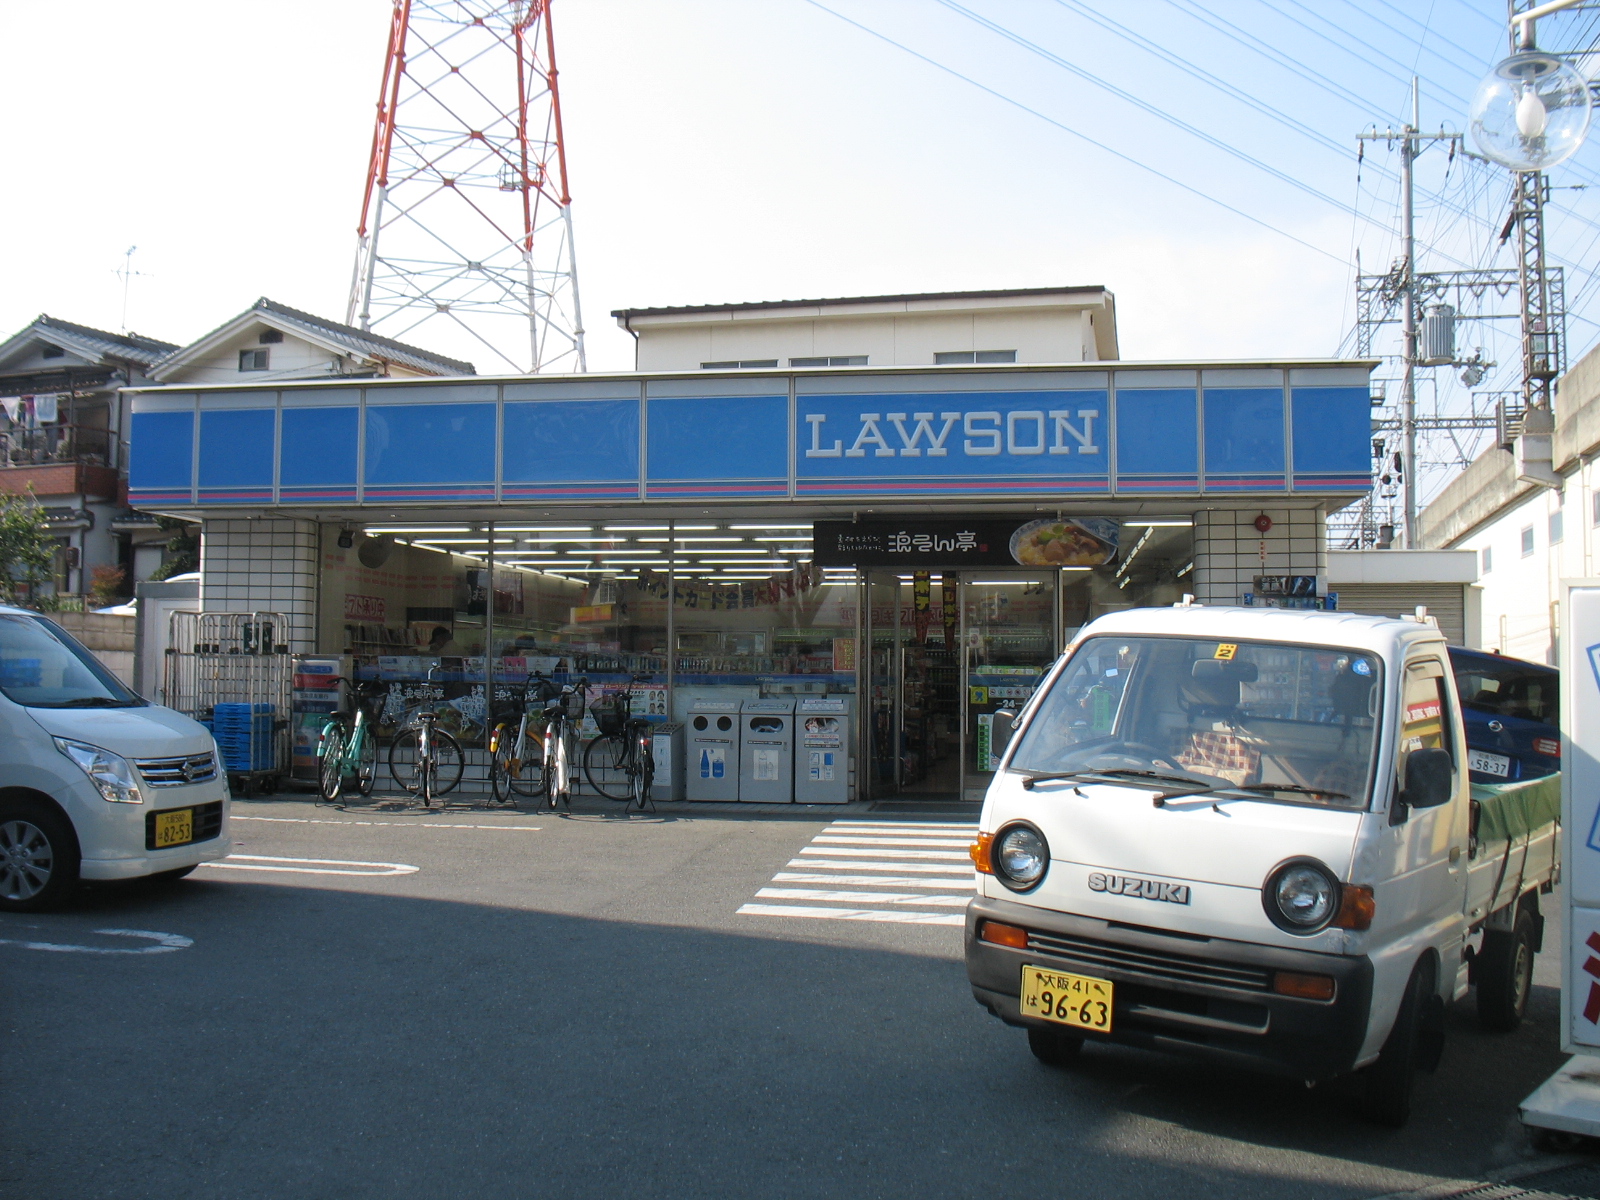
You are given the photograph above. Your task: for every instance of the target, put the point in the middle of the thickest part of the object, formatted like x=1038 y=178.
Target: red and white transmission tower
x=466 y=224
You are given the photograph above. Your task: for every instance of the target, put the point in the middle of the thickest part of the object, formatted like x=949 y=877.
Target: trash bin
x=666 y=748
x=822 y=767
x=766 y=751
x=712 y=769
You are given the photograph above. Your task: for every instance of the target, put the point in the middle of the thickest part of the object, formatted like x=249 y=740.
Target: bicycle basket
x=573 y=703
x=611 y=714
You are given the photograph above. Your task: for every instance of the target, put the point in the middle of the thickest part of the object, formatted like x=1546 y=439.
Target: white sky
x=728 y=150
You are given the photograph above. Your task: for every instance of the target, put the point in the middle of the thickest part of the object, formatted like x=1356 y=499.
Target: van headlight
x=110 y=773
x=1020 y=856
x=1301 y=896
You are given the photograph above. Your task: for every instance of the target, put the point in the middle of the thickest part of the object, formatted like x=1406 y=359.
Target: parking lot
x=384 y=1003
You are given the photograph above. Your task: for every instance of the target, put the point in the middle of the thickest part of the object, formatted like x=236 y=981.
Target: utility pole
x=1410 y=138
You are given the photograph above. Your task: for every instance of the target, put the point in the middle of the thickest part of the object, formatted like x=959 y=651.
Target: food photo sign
x=920 y=544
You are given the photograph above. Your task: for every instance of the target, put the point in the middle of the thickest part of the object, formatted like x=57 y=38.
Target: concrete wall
x=109 y=635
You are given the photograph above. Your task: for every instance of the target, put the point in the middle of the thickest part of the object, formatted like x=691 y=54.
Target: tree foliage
x=27 y=548
x=183 y=548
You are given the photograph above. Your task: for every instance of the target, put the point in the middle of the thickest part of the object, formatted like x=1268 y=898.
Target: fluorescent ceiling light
x=462 y=528
x=646 y=528
x=682 y=527
x=742 y=562
x=544 y=528
x=464 y=541
x=708 y=539
x=806 y=526
x=1175 y=522
x=793 y=537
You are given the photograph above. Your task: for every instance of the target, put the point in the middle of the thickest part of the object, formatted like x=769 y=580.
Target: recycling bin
x=766 y=751
x=712 y=766
x=822 y=764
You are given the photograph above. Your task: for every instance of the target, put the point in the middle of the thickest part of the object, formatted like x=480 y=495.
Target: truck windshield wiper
x=94 y=702
x=1290 y=787
x=1117 y=775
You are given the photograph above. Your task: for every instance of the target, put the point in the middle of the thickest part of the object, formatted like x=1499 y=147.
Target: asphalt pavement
x=477 y=1004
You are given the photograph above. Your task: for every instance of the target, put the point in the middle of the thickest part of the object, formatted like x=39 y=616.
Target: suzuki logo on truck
x=1143 y=889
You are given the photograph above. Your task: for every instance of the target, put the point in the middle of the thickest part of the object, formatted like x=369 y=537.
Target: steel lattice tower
x=466 y=220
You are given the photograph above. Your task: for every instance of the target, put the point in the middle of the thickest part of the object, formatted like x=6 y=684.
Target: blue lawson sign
x=953 y=442
x=616 y=438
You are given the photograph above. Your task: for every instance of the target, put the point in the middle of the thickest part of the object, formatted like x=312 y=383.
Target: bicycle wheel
x=404 y=765
x=605 y=765
x=448 y=762
x=367 y=762
x=517 y=774
x=330 y=772
x=646 y=777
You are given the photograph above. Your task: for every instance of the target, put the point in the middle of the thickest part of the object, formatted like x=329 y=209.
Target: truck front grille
x=1159 y=963
x=178 y=772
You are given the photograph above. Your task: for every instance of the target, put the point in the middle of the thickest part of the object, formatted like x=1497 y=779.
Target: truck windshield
x=1292 y=723
x=43 y=666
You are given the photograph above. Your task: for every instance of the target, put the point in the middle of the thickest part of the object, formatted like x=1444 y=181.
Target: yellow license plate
x=175 y=828
x=1077 y=1000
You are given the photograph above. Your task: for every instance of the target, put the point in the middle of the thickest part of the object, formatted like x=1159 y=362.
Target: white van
x=95 y=783
x=1248 y=835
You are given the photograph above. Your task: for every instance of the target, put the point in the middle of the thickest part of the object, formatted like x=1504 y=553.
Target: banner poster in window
x=986 y=542
x=948 y=603
x=921 y=604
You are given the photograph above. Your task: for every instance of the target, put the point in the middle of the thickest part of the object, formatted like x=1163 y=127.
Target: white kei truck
x=1248 y=835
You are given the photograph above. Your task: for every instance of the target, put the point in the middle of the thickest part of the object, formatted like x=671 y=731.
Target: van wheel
x=38 y=857
x=1389 y=1081
x=1505 y=974
x=1052 y=1048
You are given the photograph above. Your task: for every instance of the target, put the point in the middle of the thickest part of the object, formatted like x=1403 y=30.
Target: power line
x=1001 y=96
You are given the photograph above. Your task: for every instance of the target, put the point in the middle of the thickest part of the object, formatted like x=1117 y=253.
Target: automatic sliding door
x=1009 y=639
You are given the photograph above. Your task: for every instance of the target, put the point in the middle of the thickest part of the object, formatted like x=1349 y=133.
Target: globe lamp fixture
x=1531 y=112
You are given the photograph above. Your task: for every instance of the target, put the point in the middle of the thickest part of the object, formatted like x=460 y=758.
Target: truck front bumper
x=1208 y=998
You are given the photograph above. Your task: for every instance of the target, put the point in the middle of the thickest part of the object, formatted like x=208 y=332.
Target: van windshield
x=43 y=666
x=1290 y=723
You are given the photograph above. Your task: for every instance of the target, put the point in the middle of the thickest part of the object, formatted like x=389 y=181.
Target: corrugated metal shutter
x=1446 y=601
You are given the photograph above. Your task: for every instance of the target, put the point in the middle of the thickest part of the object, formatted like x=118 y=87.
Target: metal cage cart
x=231 y=672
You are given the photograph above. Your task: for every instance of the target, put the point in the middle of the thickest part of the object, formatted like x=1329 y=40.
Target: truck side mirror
x=1428 y=778
x=1003 y=722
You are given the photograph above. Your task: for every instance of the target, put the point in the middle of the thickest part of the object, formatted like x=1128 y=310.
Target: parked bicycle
x=347 y=748
x=516 y=754
x=424 y=759
x=620 y=764
x=563 y=712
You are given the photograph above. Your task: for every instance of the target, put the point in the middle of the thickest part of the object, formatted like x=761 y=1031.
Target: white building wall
x=263 y=565
x=898 y=339
x=1522 y=590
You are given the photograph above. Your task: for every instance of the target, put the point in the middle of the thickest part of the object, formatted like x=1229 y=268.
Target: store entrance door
x=946 y=651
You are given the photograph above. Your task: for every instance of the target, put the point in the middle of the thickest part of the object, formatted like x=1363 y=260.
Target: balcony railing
x=89 y=445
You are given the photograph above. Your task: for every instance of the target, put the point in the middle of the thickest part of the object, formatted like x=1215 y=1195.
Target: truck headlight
x=1020 y=856
x=110 y=773
x=1301 y=896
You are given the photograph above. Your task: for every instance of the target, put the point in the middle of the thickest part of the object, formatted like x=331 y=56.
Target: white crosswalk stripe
x=891 y=856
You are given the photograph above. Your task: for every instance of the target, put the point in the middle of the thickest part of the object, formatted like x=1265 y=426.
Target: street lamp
x=1531 y=112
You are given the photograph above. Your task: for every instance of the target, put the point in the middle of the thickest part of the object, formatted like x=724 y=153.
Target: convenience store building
x=921 y=537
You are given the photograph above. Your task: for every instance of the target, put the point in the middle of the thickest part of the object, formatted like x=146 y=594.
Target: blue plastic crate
x=244 y=734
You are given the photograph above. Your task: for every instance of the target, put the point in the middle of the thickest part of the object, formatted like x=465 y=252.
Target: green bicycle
x=347 y=751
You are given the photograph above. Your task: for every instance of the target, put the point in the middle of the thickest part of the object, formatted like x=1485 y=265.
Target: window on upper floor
x=270 y=337
x=1594 y=504
x=738 y=364
x=51 y=352
x=952 y=357
x=1527 y=541
x=831 y=360
x=252 y=360
x=1488 y=559
x=1556 y=531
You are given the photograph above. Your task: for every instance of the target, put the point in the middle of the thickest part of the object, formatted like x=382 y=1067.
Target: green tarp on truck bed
x=1514 y=810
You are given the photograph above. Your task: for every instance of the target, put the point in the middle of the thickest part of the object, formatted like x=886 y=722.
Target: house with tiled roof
x=271 y=341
